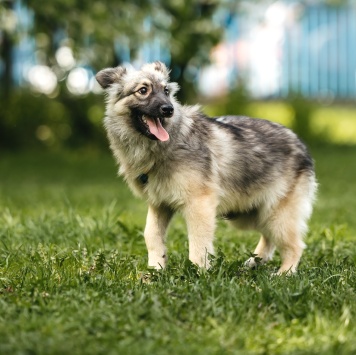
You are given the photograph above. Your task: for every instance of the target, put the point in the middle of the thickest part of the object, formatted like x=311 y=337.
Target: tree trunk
x=6 y=55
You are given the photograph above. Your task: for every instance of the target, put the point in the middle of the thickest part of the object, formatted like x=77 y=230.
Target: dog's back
x=257 y=154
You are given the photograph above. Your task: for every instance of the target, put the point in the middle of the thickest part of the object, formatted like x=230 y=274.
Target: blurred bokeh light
x=227 y=54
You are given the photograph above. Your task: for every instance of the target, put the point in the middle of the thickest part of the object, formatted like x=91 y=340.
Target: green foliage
x=29 y=121
x=235 y=103
x=98 y=31
x=91 y=28
x=73 y=275
x=185 y=30
x=303 y=110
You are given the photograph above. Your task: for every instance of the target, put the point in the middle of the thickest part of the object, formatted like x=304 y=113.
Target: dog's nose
x=167 y=110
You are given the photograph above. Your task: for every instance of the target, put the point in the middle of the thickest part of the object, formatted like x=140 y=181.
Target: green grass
x=73 y=275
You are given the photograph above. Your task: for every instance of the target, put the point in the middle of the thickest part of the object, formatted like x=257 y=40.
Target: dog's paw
x=253 y=262
x=202 y=262
x=157 y=262
x=250 y=263
x=285 y=272
x=202 y=265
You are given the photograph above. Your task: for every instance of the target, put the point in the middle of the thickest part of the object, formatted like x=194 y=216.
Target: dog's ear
x=173 y=88
x=157 y=67
x=109 y=76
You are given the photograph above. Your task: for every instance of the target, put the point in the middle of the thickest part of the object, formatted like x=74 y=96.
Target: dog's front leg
x=200 y=215
x=155 y=232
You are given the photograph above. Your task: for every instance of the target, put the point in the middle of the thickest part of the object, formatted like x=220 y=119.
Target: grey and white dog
x=255 y=173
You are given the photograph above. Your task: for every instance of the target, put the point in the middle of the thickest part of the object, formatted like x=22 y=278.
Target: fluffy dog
x=252 y=172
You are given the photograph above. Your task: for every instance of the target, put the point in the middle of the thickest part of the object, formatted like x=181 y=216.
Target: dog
x=252 y=172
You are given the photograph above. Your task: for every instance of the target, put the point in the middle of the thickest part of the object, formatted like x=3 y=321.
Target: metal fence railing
x=319 y=53
x=292 y=47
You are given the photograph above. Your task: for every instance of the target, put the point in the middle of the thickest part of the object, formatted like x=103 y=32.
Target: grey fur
x=256 y=173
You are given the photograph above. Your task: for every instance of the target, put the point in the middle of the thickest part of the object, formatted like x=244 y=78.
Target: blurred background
x=293 y=62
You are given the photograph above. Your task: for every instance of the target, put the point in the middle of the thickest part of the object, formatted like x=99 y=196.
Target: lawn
x=73 y=275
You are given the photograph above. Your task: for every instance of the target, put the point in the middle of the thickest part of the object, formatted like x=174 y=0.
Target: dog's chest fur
x=150 y=169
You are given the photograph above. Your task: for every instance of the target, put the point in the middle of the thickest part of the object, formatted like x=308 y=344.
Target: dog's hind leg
x=200 y=215
x=291 y=252
x=155 y=233
x=288 y=223
x=286 y=234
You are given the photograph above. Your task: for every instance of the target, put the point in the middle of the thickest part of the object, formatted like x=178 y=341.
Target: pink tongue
x=157 y=130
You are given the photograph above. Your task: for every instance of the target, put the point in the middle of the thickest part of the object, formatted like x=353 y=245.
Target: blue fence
x=319 y=53
x=314 y=54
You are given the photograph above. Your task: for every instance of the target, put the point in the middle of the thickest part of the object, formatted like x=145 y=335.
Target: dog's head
x=145 y=97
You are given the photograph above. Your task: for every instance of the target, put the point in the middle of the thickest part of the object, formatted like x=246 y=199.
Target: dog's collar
x=143 y=178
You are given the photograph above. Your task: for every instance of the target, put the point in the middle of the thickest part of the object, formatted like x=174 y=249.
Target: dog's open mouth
x=154 y=127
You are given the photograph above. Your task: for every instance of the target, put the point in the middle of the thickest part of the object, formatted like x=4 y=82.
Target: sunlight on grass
x=336 y=124
x=274 y=111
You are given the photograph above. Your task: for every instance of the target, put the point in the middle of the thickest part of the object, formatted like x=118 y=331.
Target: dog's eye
x=166 y=91
x=143 y=91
